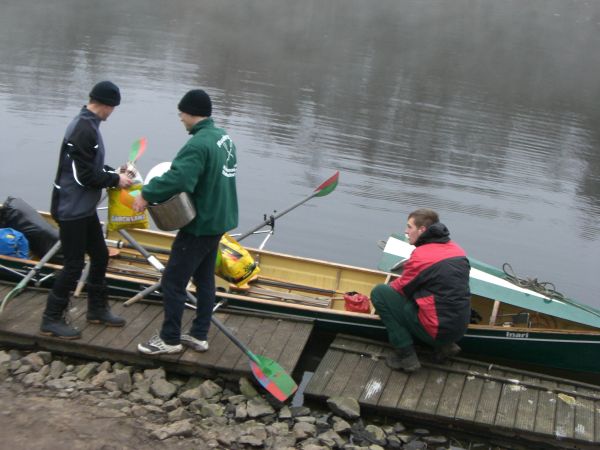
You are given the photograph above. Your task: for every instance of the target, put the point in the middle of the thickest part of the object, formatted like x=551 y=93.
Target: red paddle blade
x=328 y=185
x=273 y=378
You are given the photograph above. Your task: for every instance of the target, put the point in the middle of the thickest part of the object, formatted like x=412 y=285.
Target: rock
x=298 y=411
x=4 y=357
x=172 y=404
x=212 y=410
x=181 y=428
x=162 y=389
x=122 y=379
x=258 y=407
x=435 y=439
x=60 y=384
x=303 y=430
x=46 y=356
x=415 y=445
x=331 y=439
x=236 y=399
x=178 y=414
x=33 y=379
x=340 y=425
x=210 y=389
x=34 y=361
x=247 y=389
x=191 y=395
x=346 y=407
x=86 y=371
x=241 y=411
x=101 y=378
x=393 y=442
x=57 y=368
x=375 y=435
x=285 y=413
x=155 y=374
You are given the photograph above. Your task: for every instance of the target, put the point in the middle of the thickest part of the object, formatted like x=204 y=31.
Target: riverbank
x=51 y=402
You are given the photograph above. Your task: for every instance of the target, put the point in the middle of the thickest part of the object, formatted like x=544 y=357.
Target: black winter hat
x=196 y=103
x=107 y=93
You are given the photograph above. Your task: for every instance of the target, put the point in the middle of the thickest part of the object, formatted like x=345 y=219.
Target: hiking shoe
x=156 y=346
x=193 y=343
x=446 y=351
x=403 y=359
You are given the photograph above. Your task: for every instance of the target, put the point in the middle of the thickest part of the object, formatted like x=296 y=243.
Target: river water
x=485 y=110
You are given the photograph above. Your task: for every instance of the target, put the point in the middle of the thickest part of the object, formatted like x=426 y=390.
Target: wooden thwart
x=475 y=396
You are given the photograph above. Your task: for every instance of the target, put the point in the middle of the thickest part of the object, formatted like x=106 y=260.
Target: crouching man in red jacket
x=431 y=301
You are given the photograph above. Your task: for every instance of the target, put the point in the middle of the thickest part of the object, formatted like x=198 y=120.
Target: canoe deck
x=277 y=339
x=462 y=394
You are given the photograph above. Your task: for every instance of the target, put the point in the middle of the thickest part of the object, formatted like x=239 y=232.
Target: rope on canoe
x=541 y=287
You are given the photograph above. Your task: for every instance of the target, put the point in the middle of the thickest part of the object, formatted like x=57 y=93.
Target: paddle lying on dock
x=267 y=372
x=325 y=188
x=32 y=273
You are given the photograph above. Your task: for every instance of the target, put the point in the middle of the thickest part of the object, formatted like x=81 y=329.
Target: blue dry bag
x=13 y=243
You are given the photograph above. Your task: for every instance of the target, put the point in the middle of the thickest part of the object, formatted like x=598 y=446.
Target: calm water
x=486 y=110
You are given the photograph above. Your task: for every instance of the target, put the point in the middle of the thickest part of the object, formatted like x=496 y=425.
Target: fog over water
x=485 y=110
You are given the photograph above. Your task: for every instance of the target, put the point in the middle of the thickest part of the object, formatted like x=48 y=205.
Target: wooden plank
x=25 y=317
x=392 y=392
x=528 y=402
x=565 y=414
x=546 y=409
x=325 y=371
x=362 y=372
x=488 y=400
x=289 y=340
x=434 y=386
x=585 y=415
x=232 y=354
x=508 y=403
x=133 y=328
x=469 y=398
x=452 y=392
x=94 y=330
x=342 y=375
x=219 y=342
x=107 y=335
x=376 y=383
x=413 y=389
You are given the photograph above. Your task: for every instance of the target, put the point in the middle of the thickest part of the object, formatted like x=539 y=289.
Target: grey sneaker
x=156 y=346
x=193 y=343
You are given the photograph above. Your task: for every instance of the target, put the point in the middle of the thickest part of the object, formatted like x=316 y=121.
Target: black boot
x=404 y=358
x=98 y=308
x=54 y=321
x=445 y=351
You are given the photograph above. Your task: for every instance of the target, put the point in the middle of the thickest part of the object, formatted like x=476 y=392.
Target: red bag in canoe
x=353 y=301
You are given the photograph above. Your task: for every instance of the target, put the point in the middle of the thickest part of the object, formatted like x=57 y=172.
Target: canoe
x=517 y=325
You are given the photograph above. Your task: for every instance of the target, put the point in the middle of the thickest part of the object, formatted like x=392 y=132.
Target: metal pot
x=174 y=213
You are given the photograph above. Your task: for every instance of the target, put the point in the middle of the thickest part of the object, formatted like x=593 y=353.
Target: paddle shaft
x=274 y=216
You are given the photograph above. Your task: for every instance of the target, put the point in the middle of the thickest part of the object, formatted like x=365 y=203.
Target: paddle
x=325 y=188
x=267 y=372
x=33 y=272
x=137 y=149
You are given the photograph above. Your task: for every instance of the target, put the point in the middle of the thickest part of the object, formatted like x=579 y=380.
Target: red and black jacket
x=436 y=278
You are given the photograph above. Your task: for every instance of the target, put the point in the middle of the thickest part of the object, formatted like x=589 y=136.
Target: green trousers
x=399 y=316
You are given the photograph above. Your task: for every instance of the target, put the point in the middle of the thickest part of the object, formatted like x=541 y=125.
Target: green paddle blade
x=137 y=149
x=328 y=186
x=272 y=377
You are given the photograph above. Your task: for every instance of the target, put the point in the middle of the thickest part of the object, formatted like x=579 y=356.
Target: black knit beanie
x=196 y=103
x=106 y=93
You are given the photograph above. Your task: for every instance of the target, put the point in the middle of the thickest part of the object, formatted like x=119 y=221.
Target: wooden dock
x=463 y=394
x=282 y=340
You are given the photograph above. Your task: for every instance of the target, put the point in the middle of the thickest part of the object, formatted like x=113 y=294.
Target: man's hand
x=124 y=181
x=139 y=204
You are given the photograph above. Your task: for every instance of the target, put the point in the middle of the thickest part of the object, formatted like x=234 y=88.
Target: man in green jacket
x=205 y=168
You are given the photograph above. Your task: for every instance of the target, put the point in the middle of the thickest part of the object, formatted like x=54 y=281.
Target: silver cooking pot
x=174 y=213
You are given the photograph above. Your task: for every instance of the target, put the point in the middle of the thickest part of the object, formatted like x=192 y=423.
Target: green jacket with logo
x=205 y=168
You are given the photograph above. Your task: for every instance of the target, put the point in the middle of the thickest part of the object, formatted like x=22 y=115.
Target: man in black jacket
x=431 y=300
x=80 y=178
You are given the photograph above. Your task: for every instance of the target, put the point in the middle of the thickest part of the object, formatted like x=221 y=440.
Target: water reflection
x=486 y=110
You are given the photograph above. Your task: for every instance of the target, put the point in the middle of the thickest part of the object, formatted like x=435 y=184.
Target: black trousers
x=78 y=237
